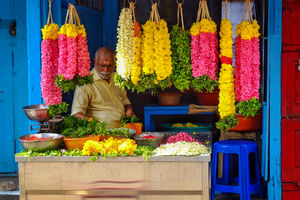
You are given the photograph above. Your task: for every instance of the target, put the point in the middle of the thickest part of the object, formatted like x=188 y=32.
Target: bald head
x=104 y=51
x=105 y=62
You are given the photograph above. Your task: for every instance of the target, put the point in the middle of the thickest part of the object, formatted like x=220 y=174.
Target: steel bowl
x=37 y=112
x=154 y=142
x=41 y=145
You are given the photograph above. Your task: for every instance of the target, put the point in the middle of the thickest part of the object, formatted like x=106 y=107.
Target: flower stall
x=165 y=152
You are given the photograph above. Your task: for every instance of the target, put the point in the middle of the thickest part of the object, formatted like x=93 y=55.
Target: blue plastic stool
x=242 y=185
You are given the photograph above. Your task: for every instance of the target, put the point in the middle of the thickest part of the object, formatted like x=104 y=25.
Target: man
x=102 y=100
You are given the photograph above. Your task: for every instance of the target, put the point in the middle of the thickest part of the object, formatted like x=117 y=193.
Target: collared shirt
x=101 y=100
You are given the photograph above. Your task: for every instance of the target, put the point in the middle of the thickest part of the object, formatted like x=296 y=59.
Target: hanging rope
x=154 y=15
x=203 y=12
x=132 y=8
x=50 y=12
x=226 y=9
x=180 y=14
x=248 y=10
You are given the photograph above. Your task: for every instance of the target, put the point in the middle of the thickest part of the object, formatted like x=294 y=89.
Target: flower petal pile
x=110 y=147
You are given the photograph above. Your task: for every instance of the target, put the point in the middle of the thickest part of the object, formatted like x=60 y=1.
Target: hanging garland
x=129 y=50
x=181 y=54
x=50 y=92
x=247 y=73
x=157 y=61
x=74 y=58
x=226 y=105
x=204 y=50
x=125 y=44
x=137 y=48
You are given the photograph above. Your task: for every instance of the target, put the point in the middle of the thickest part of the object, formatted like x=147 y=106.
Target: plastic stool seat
x=244 y=186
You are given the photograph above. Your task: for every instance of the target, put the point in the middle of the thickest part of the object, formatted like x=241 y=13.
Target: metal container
x=41 y=145
x=37 y=112
x=154 y=142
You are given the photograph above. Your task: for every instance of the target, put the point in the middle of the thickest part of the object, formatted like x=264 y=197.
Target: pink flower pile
x=181 y=136
x=204 y=54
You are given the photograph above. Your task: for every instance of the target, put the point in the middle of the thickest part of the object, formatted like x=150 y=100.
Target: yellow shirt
x=101 y=100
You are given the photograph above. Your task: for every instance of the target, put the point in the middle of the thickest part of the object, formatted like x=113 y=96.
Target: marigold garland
x=125 y=44
x=148 y=46
x=137 y=47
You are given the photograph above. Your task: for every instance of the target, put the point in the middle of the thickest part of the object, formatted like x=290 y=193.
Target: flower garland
x=50 y=92
x=181 y=58
x=74 y=57
x=125 y=44
x=110 y=147
x=226 y=105
x=137 y=46
x=148 y=46
x=204 y=51
x=247 y=68
x=162 y=53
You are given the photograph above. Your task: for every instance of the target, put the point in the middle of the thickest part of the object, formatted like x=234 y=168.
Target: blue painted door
x=7 y=145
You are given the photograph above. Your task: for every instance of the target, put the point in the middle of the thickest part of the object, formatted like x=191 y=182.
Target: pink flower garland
x=50 y=92
x=83 y=56
x=71 y=70
x=247 y=74
x=204 y=55
x=63 y=54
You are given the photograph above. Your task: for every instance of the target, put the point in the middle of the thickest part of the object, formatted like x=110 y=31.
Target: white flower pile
x=181 y=148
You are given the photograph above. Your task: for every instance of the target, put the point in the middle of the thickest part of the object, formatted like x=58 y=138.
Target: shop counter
x=78 y=178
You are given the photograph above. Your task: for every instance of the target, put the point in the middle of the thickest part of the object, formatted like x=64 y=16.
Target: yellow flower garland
x=162 y=54
x=246 y=30
x=148 y=47
x=125 y=44
x=137 y=62
x=226 y=105
x=195 y=29
x=50 y=31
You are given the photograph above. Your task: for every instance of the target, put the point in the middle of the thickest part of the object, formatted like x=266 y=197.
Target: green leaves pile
x=77 y=128
x=204 y=83
x=227 y=123
x=129 y=119
x=249 y=107
x=58 y=108
x=67 y=85
x=181 y=58
x=118 y=132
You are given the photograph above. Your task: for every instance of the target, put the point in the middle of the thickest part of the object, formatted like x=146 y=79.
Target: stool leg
x=214 y=173
x=227 y=168
x=241 y=178
x=257 y=176
x=246 y=174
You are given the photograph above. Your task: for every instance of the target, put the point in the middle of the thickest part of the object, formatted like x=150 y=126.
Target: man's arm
x=80 y=103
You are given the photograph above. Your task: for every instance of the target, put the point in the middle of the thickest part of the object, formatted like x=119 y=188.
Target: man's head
x=105 y=62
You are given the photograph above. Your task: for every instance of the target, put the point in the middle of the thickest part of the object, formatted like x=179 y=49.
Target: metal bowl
x=37 y=112
x=41 y=145
x=154 y=142
x=131 y=131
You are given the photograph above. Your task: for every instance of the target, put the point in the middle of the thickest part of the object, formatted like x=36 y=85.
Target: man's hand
x=129 y=110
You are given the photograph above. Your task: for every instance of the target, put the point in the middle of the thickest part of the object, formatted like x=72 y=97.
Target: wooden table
x=77 y=178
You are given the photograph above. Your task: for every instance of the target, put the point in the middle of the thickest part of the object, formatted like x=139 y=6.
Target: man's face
x=105 y=64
